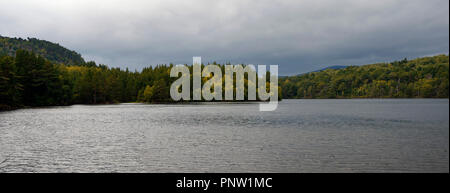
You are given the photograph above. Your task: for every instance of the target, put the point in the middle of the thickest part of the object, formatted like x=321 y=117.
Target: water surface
x=367 y=135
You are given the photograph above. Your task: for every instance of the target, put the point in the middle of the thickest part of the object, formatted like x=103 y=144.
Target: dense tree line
x=51 y=51
x=30 y=80
x=420 y=78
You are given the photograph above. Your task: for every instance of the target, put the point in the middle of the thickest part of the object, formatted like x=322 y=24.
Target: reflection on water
x=403 y=135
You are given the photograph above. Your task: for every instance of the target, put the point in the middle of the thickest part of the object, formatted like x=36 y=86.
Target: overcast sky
x=298 y=35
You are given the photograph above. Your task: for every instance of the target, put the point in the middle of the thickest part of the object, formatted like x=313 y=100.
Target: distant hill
x=336 y=67
x=51 y=51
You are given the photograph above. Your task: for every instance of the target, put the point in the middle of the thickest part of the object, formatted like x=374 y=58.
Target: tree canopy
x=29 y=79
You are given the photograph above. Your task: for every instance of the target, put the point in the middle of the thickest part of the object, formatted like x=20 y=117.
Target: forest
x=425 y=77
x=29 y=79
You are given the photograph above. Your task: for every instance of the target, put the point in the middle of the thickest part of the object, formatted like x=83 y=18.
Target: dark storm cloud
x=298 y=35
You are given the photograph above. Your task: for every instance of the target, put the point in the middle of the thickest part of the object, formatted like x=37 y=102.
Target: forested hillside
x=50 y=51
x=419 y=78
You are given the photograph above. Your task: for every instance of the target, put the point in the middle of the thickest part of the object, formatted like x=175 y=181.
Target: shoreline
x=203 y=102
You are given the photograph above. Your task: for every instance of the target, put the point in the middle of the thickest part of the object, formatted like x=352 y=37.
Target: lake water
x=367 y=135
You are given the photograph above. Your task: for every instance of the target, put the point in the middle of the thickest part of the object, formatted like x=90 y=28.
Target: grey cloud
x=299 y=36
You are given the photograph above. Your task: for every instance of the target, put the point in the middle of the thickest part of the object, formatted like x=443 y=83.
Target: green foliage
x=147 y=95
x=10 y=87
x=30 y=80
x=422 y=78
x=50 y=51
